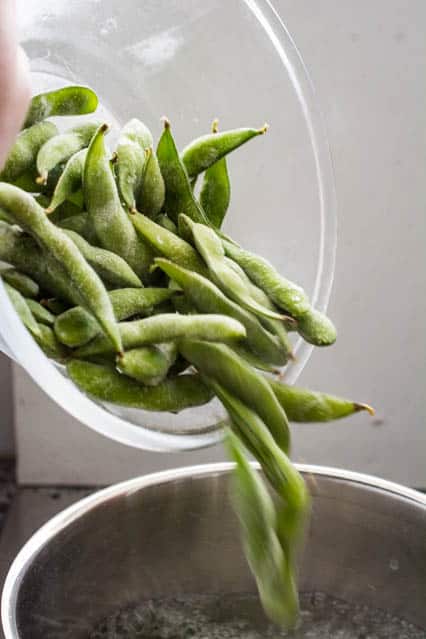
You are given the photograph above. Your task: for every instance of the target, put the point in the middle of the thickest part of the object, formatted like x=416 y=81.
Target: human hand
x=14 y=79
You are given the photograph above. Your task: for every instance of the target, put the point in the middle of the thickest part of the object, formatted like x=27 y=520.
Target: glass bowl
x=194 y=60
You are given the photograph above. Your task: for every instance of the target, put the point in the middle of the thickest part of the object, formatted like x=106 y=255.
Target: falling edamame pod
x=215 y=191
x=72 y=100
x=32 y=218
x=104 y=382
x=23 y=156
x=208 y=298
x=134 y=139
x=75 y=326
x=203 y=152
x=70 y=180
x=303 y=405
x=21 y=282
x=222 y=365
x=168 y=327
x=23 y=310
x=152 y=191
x=62 y=147
x=110 y=267
x=111 y=223
x=179 y=195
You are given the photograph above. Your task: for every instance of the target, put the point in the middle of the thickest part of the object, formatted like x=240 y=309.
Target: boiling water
x=240 y=617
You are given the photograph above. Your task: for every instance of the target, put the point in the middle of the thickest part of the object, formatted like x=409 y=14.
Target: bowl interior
x=174 y=533
x=194 y=60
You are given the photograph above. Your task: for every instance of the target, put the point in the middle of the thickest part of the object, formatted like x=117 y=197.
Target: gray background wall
x=368 y=63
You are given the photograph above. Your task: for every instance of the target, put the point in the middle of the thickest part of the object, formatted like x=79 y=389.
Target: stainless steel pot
x=174 y=532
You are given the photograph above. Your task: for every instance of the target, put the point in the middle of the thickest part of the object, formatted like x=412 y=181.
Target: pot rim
x=63 y=519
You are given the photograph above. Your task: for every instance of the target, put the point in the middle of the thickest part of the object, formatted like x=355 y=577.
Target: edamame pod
x=23 y=310
x=42 y=314
x=62 y=147
x=168 y=244
x=152 y=192
x=110 y=267
x=164 y=221
x=134 y=139
x=111 y=224
x=70 y=181
x=22 y=283
x=215 y=191
x=72 y=100
x=302 y=405
x=81 y=224
x=168 y=327
x=76 y=326
x=316 y=328
x=179 y=195
x=50 y=345
x=148 y=364
x=208 y=298
x=105 y=383
x=32 y=218
x=222 y=365
x=203 y=152
x=23 y=156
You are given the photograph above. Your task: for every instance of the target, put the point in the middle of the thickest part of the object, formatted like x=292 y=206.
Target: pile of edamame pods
x=117 y=265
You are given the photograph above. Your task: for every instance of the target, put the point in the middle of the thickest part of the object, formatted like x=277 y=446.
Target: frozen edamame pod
x=72 y=100
x=70 y=181
x=111 y=223
x=148 y=364
x=168 y=327
x=220 y=363
x=23 y=156
x=110 y=267
x=152 y=191
x=105 y=383
x=62 y=147
x=208 y=298
x=134 y=139
x=168 y=244
x=179 y=195
x=76 y=326
x=21 y=282
x=302 y=405
x=204 y=151
x=215 y=191
x=23 y=310
x=42 y=314
x=32 y=218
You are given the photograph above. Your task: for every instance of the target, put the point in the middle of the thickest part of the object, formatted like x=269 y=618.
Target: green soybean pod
x=215 y=193
x=179 y=195
x=204 y=151
x=50 y=346
x=152 y=192
x=208 y=298
x=62 y=147
x=70 y=181
x=23 y=156
x=220 y=363
x=134 y=139
x=285 y=294
x=303 y=405
x=64 y=211
x=110 y=267
x=41 y=314
x=54 y=305
x=164 y=221
x=76 y=327
x=148 y=364
x=23 y=310
x=81 y=224
x=168 y=327
x=316 y=328
x=32 y=218
x=111 y=224
x=166 y=243
x=72 y=100
x=105 y=383
x=21 y=282
x=264 y=552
